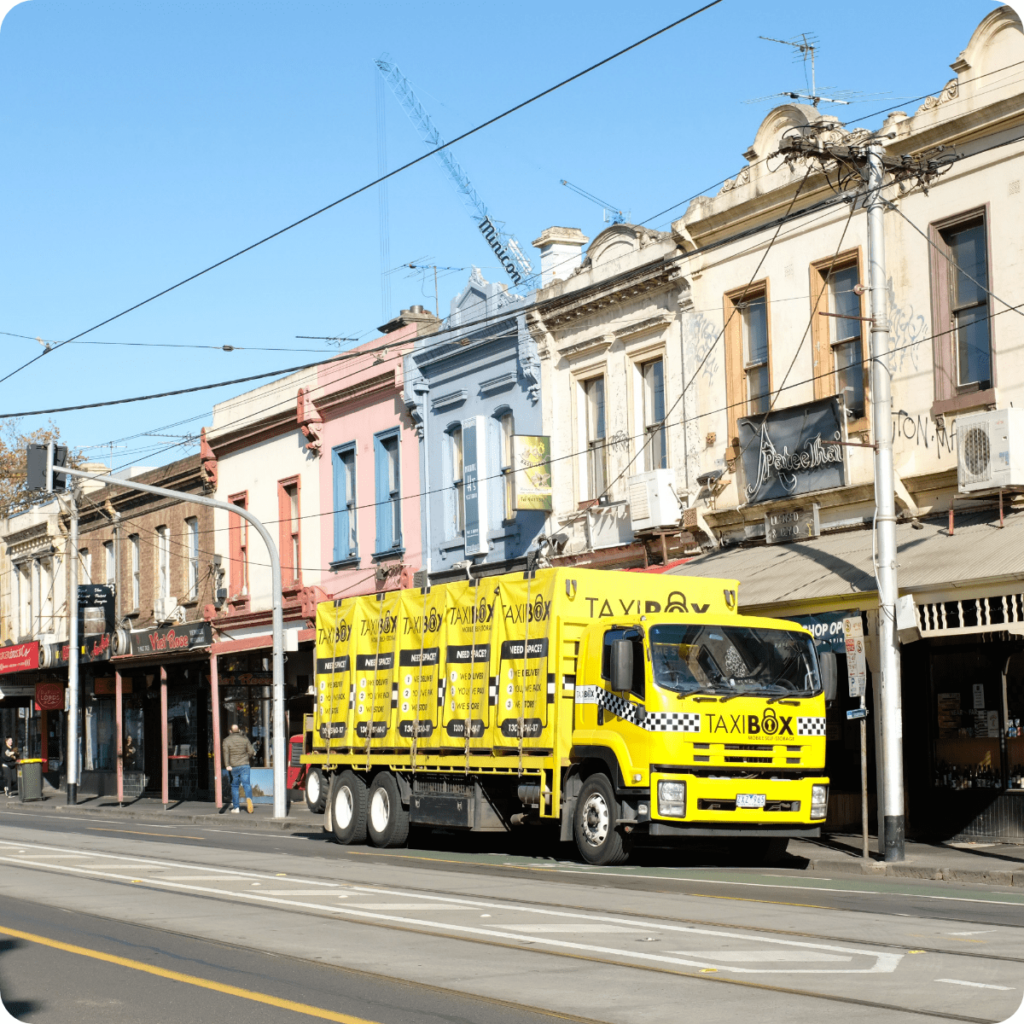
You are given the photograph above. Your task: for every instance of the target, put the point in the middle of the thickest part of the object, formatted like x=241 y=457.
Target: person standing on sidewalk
x=9 y=760
x=237 y=751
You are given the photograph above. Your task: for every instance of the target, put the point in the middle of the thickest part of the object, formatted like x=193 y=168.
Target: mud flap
x=568 y=813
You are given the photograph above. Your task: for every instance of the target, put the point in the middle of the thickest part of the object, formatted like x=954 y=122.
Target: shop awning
x=839 y=565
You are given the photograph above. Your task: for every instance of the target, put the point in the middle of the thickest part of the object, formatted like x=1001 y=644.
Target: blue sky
x=143 y=141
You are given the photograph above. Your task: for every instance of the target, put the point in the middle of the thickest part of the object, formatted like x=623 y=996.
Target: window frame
x=736 y=366
x=163 y=561
x=949 y=396
x=822 y=343
x=346 y=519
x=648 y=413
x=289 y=530
x=85 y=565
x=135 y=543
x=192 y=535
x=388 y=499
x=238 y=551
x=596 y=447
x=505 y=467
x=110 y=561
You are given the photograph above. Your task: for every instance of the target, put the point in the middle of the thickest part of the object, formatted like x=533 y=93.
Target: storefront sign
x=19 y=657
x=95 y=609
x=94 y=648
x=798 y=524
x=827 y=630
x=474 y=469
x=531 y=476
x=792 y=451
x=171 y=639
x=49 y=696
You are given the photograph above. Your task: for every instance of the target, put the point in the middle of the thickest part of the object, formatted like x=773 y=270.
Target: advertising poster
x=531 y=477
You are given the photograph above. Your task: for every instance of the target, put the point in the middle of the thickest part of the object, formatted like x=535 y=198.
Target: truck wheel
x=387 y=820
x=348 y=808
x=597 y=838
x=316 y=790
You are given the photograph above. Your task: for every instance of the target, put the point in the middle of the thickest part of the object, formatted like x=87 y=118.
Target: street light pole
x=891 y=711
x=277 y=620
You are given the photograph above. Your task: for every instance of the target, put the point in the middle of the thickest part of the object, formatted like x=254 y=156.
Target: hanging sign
x=531 y=472
x=19 y=657
x=856 y=662
x=474 y=470
x=792 y=451
x=49 y=696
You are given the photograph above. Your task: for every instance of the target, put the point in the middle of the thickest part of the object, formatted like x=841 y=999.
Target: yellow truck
x=614 y=705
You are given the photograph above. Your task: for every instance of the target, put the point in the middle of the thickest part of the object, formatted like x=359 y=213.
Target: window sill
x=452 y=544
x=345 y=563
x=965 y=401
x=383 y=556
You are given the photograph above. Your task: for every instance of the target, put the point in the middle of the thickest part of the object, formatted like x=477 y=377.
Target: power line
x=376 y=181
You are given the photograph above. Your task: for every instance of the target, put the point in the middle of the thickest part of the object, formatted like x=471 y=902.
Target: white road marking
x=574 y=927
x=883 y=962
x=744 y=956
x=975 y=984
x=985 y=931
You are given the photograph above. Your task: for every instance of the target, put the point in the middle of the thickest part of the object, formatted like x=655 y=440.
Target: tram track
x=625 y=960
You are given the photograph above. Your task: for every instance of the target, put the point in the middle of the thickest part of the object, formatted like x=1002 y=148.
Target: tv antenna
x=806 y=48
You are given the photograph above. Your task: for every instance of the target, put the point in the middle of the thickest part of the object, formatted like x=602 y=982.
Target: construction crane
x=610 y=213
x=502 y=244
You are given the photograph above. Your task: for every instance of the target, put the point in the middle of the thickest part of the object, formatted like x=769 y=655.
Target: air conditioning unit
x=167 y=610
x=990 y=450
x=653 y=504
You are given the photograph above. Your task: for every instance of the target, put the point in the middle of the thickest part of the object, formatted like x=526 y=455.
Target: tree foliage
x=14 y=495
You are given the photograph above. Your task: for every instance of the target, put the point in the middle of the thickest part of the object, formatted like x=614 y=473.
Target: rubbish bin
x=30 y=779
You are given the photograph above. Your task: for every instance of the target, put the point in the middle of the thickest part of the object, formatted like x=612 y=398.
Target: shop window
x=747 y=354
x=238 y=549
x=133 y=543
x=387 y=477
x=838 y=340
x=288 y=531
x=192 y=532
x=655 y=438
x=346 y=544
x=596 y=434
x=962 y=343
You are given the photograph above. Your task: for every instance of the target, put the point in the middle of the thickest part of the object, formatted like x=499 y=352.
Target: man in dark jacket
x=237 y=751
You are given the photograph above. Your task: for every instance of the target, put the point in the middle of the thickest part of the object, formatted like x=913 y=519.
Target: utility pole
x=73 y=644
x=891 y=711
x=871 y=162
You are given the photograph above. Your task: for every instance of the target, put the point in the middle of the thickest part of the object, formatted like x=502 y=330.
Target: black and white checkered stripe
x=492 y=691
x=551 y=688
x=442 y=686
x=810 y=726
x=394 y=695
x=352 y=696
x=654 y=721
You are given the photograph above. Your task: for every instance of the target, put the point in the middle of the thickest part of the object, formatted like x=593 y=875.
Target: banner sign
x=96 y=647
x=792 y=451
x=19 y=657
x=531 y=472
x=171 y=639
x=474 y=469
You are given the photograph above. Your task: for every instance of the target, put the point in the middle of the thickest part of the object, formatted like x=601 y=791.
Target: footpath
x=981 y=862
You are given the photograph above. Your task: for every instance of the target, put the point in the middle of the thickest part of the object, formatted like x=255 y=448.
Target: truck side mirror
x=829 y=668
x=622 y=666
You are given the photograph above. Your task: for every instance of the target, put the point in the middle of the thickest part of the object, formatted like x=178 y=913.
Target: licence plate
x=750 y=800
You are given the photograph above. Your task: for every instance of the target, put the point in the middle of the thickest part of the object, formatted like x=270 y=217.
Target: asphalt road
x=459 y=928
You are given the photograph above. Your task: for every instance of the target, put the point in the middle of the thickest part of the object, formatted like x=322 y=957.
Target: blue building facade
x=469 y=391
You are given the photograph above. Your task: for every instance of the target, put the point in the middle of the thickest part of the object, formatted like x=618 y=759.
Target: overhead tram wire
x=371 y=184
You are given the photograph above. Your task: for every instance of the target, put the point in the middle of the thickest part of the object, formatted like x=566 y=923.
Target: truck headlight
x=672 y=799
x=819 y=801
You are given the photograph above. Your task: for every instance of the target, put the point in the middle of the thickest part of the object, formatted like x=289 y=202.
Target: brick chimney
x=561 y=252
x=424 y=320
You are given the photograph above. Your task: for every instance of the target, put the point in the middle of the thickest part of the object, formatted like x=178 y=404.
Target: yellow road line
x=133 y=832
x=747 y=899
x=190 y=979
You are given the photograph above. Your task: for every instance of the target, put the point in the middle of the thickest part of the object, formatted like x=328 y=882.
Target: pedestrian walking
x=9 y=761
x=237 y=752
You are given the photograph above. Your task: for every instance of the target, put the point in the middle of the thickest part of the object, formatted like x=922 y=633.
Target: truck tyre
x=316 y=790
x=348 y=808
x=597 y=838
x=387 y=820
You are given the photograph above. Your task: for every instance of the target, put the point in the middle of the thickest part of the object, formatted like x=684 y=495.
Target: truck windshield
x=733 y=661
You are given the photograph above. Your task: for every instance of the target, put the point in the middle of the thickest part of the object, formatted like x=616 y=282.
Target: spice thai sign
x=792 y=451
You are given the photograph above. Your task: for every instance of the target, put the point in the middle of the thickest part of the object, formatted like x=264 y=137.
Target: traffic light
x=42 y=467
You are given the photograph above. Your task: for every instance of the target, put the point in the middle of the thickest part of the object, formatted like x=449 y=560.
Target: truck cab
x=690 y=728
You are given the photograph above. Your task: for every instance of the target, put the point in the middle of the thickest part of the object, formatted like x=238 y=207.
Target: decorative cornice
x=452 y=398
x=652 y=323
x=949 y=92
x=506 y=380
